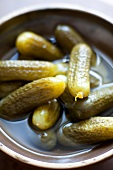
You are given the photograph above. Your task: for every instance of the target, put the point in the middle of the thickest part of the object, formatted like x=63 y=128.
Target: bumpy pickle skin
x=90 y=131
x=8 y=87
x=68 y=37
x=46 y=115
x=98 y=101
x=19 y=103
x=31 y=44
x=29 y=70
x=78 y=73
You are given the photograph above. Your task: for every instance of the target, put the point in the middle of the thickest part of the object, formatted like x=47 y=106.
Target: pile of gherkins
x=36 y=84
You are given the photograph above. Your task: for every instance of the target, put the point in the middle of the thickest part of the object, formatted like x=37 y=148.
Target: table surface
x=103 y=6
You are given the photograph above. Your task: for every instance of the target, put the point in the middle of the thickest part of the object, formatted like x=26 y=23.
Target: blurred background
x=6 y=7
x=103 y=6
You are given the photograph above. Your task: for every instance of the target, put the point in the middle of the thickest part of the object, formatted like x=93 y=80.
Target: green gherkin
x=98 y=101
x=19 y=103
x=46 y=115
x=31 y=44
x=78 y=73
x=29 y=70
x=90 y=131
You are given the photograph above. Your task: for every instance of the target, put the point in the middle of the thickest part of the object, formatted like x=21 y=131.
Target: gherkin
x=22 y=101
x=90 y=131
x=32 y=44
x=78 y=73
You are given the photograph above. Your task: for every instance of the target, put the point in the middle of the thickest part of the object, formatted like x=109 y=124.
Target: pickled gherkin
x=78 y=73
x=31 y=44
x=46 y=115
x=21 y=102
x=67 y=37
x=90 y=131
x=29 y=70
x=98 y=101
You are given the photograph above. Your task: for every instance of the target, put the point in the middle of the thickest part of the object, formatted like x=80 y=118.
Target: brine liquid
x=22 y=135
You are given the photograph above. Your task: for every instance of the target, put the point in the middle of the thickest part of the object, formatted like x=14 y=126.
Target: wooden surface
x=103 y=6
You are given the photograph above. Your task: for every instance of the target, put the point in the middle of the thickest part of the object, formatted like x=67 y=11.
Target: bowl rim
x=22 y=158
x=54 y=5
x=41 y=164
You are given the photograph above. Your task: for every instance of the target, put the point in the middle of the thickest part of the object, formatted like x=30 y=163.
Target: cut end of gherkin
x=79 y=95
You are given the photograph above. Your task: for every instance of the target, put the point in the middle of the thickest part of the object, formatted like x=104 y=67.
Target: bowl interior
x=99 y=34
